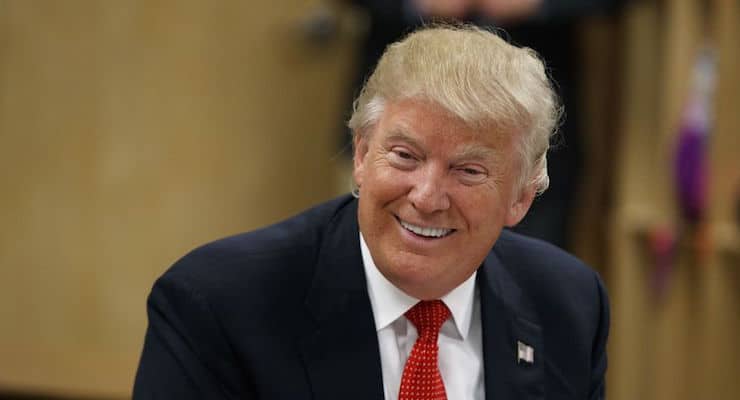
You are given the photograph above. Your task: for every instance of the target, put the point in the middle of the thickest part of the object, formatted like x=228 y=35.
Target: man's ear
x=360 y=150
x=521 y=205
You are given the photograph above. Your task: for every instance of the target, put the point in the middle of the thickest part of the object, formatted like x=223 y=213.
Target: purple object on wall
x=691 y=161
x=691 y=172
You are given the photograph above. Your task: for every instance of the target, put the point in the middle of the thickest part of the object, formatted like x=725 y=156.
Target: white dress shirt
x=460 y=339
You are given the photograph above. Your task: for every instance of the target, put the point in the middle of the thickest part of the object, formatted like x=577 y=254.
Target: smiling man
x=435 y=195
x=411 y=289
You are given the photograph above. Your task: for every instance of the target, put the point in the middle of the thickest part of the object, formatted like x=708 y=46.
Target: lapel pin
x=524 y=353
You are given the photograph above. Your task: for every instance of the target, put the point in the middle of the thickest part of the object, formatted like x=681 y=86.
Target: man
x=412 y=290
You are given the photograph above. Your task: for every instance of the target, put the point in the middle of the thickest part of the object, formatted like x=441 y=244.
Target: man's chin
x=415 y=278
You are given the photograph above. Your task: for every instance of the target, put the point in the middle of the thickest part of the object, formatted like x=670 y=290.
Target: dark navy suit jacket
x=284 y=313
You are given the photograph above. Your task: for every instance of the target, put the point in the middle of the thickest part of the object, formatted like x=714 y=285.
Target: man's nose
x=429 y=190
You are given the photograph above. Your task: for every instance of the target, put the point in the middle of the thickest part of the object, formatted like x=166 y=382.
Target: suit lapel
x=510 y=328
x=341 y=354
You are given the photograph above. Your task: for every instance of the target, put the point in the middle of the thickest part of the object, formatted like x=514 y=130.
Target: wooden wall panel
x=681 y=343
x=629 y=369
x=131 y=132
x=721 y=287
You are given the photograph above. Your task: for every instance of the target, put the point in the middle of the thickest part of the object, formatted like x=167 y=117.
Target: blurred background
x=132 y=131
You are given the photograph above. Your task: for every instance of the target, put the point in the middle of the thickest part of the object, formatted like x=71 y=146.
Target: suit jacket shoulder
x=225 y=320
x=260 y=252
x=568 y=302
x=559 y=284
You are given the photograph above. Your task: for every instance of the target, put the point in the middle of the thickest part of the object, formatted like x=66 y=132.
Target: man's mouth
x=427 y=232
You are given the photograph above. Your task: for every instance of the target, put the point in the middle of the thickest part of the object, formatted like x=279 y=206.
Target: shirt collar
x=389 y=302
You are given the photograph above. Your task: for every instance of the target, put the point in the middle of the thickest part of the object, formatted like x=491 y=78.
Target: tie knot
x=428 y=316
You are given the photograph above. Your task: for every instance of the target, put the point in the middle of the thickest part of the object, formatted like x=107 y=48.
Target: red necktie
x=421 y=379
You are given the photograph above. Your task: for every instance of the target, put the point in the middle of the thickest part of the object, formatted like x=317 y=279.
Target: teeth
x=427 y=232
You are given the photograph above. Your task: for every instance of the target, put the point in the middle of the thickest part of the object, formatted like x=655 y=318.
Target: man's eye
x=404 y=155
x=401 y=158
x=473 y=172
x=471 y=175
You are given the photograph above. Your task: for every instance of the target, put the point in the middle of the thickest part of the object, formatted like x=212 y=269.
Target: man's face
x=434 y=195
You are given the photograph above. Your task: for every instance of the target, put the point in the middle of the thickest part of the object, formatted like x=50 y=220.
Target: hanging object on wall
x=691 y=161
x=691 y=169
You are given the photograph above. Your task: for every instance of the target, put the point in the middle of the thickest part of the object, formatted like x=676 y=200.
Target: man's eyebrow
x=468 y=152
x=399 y=135
x=476 y=152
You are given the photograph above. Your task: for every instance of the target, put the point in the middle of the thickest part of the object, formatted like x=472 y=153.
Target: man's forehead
x=410 y=113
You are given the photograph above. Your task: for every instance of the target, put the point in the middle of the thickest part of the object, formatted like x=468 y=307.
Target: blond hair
x=475 y=75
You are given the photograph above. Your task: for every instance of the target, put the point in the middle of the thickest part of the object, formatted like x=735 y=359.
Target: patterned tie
x=421 y=379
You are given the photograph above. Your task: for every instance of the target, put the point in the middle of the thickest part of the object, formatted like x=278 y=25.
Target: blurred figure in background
x=548 y=27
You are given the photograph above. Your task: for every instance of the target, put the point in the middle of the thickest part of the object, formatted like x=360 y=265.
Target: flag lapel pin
x=524 y=353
